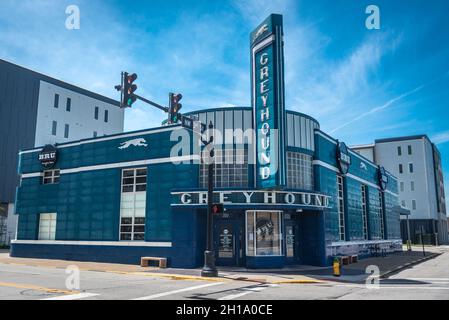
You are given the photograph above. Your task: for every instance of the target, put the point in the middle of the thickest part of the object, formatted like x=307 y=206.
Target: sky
x=360 y=84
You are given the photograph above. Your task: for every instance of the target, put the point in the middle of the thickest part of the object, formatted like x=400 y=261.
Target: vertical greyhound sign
x=267 y=83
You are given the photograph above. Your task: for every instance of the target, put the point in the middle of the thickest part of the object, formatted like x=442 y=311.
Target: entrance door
x=291 y=241
x=227 y=243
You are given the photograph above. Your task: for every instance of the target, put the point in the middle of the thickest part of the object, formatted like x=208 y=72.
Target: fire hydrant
x=336 y=267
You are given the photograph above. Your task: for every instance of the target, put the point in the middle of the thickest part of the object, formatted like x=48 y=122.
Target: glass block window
x=299 y=171
x=47 y=226
x=341 y=207
x=231 y=169
x=382 y=223
x=133 y=204
x=51 y=176
x=364 y=213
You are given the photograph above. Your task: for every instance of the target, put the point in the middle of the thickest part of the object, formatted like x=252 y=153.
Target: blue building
x=292 y=194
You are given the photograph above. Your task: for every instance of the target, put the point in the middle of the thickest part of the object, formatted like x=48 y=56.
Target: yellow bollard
x=409 y=245
x=336 y=267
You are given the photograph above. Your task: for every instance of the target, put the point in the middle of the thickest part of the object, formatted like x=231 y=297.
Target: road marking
x=425 y=279
x=163 y=294
x=34 y=287
x=392 y=287
x=247 y=291
x=73 y=296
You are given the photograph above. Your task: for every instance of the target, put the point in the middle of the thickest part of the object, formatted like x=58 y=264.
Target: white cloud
x=441 y=137
x=377 y=109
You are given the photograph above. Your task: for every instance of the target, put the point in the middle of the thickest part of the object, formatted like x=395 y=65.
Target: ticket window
x=263 y=233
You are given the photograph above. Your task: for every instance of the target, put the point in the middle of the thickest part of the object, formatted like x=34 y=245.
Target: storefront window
x=263 y=233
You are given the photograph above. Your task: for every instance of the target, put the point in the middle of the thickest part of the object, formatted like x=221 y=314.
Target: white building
x=36 y=110
x=416 y=162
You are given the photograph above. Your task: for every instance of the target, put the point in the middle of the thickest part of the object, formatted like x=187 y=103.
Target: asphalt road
x=428 y=280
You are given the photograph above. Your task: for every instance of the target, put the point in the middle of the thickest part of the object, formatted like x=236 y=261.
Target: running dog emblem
x=140 y=142
x=260 y=32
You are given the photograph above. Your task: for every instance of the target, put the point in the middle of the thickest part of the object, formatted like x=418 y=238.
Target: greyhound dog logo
x=363 y=166
x=139 y=142
x=260 y=32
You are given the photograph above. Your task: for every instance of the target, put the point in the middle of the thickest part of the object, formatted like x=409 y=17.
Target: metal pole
x=154 y=104
x=209 y=269
x=422 y=241
x=409 y=242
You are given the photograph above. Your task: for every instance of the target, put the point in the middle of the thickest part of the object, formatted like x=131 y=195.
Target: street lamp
x=209 y=268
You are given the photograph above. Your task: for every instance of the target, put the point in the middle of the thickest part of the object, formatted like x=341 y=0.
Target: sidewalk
x=294 y=274
x=387 y=265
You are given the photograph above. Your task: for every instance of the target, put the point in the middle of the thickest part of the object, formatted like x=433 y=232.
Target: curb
x=171 y=276
x=388 y=273
x=298 y=281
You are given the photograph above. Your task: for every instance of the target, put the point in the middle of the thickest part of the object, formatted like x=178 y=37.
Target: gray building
x=36 y=110
x=416 y=162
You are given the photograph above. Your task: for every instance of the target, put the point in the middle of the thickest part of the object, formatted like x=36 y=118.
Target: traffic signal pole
x=154 y=104
x=209 y=268
x=128 y=97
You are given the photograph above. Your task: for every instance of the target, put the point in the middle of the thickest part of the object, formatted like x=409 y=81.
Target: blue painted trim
x=300 y=150
x=137 y=132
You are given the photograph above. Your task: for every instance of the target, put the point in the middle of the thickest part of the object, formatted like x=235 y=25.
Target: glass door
x=227 y=242
x=291 y=241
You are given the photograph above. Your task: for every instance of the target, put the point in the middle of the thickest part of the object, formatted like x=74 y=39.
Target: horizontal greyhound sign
x=246 y=197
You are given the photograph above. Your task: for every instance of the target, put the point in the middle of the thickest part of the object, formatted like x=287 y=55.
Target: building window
x=341 y=207
x=403 y=203
x=299 y=171
x=413 y=204
x=263 y=233
x=56 y=102
x=409 y=148
x=54 y=127
x=133 y=204
x=399 y=151
x=381 y=211
x=96 y=113
x=410 y=167
x=400 y=168
x=401 y=186
x=231 y=168
x=66 y=131
x=47 y=226
x=106 y=115
x=95 y=134
x=69 y=104
x=412 y=185
x=51 y=176
x=364 y=213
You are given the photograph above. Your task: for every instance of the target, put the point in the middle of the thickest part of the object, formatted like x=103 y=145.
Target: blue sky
x=360 y=84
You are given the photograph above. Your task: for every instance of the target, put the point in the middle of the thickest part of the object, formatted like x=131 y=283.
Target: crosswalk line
x=163 y=294
x=246 y=291
x=73 y=296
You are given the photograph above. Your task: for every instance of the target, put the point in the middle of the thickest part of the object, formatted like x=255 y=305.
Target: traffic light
x=217 y=208
x=175 y=106
x=128 y=89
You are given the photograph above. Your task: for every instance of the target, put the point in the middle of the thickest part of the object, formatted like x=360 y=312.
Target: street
x=428 y=280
